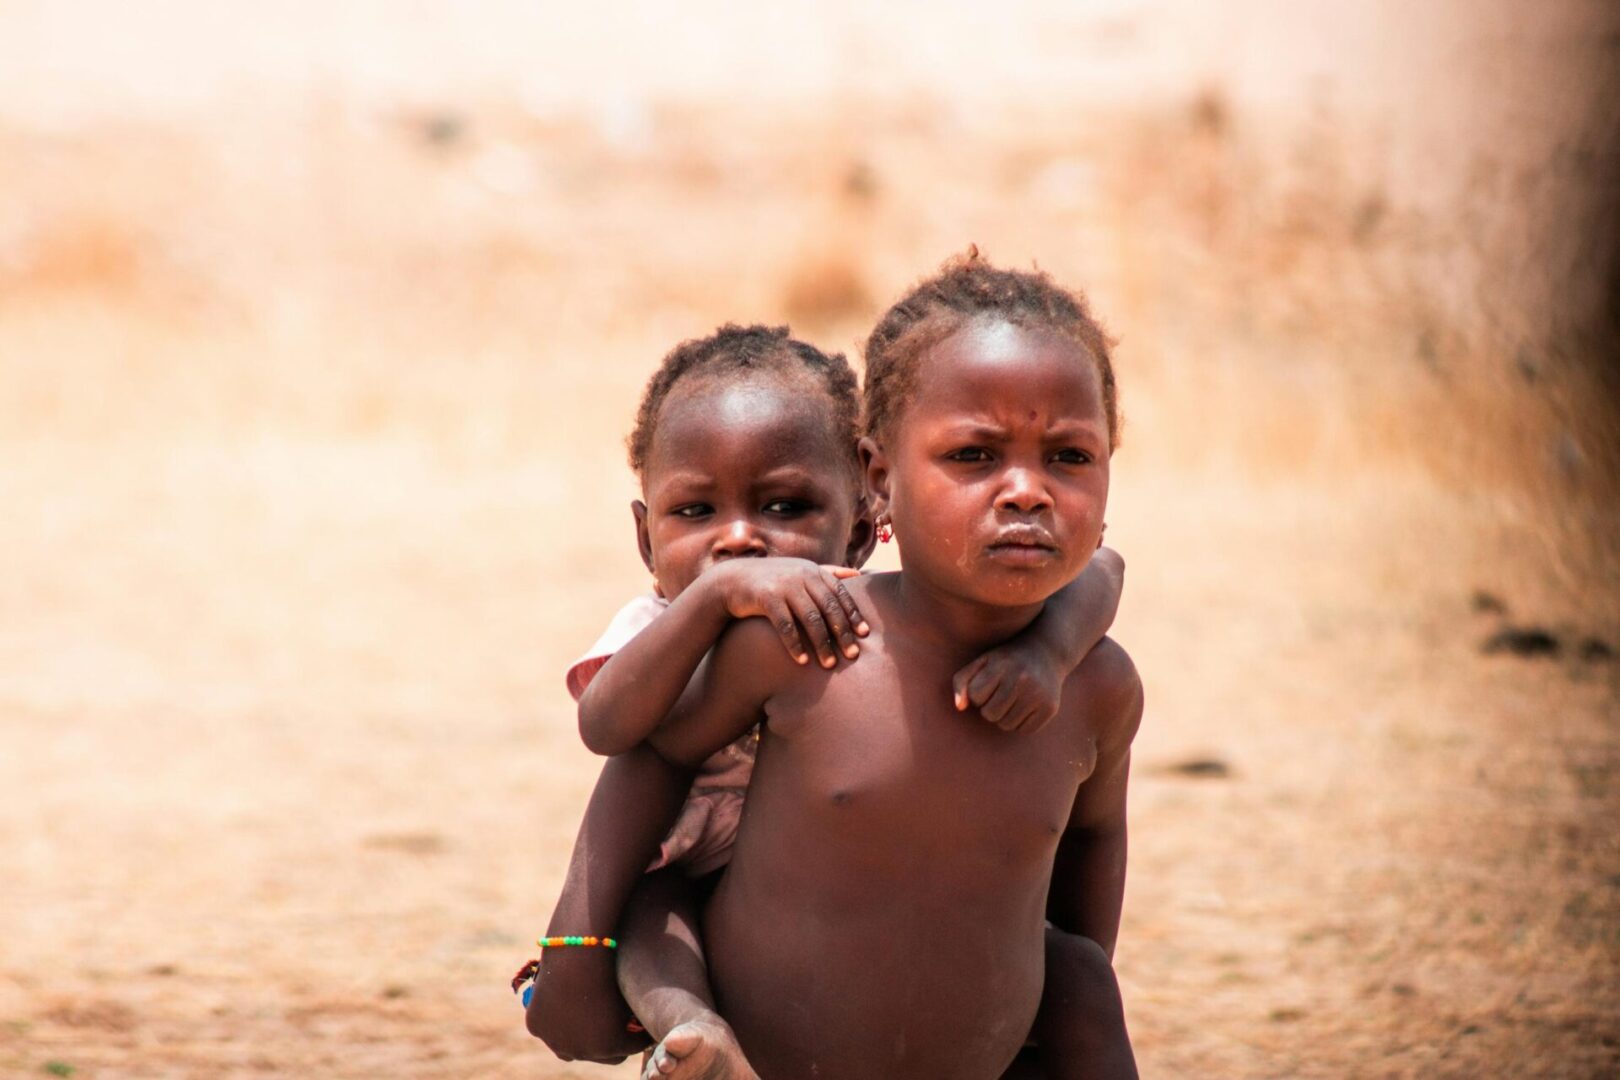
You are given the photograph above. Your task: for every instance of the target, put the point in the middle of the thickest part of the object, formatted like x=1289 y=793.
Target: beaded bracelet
x=555 y=942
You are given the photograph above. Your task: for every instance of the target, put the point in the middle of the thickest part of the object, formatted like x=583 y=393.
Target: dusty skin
x=312 y=393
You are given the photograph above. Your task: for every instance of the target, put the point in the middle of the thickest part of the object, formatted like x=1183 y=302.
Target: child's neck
x=957 y=623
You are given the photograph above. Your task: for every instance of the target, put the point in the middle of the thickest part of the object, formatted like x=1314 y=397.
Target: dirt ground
x=319 y=337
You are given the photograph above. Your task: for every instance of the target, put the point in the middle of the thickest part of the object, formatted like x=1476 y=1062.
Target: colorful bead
x=576 y=939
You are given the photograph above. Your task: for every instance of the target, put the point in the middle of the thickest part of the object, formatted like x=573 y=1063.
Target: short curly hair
x=968 y=287
x=732 y=351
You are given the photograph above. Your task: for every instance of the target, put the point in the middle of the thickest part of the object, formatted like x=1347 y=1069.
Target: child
x=883 y=911
x=745 y=447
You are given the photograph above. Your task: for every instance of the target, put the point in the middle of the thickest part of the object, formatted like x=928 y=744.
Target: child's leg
x=577 y=1009
x=665 y=978
x=1080 y=1028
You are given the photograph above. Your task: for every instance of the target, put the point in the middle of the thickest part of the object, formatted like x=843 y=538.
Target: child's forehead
x=737 y=393
x=745 y=423
x=992 y=359
x=995 y=338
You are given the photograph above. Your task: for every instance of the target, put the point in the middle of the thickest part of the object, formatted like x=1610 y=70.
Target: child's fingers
x=1037 y=718
x=960 y=681
x=998 y=708
x=852 y=610
x=826 y=596
x=984 y=684
x=1030 y=718
x=787 y=628
x=816 y=630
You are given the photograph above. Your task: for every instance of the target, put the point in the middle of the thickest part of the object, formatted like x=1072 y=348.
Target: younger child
x=745 y=447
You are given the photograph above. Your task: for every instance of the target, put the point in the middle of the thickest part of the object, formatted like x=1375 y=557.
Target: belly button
x=841 y=798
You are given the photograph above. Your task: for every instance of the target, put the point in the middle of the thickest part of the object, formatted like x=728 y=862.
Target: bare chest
x=865 y=752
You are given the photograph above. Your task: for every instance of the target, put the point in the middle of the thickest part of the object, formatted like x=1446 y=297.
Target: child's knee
x=1082 y=1018
x=1080 y=983
x=1078 y=961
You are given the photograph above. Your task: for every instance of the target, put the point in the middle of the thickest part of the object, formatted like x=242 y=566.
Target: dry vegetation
x=310 y=422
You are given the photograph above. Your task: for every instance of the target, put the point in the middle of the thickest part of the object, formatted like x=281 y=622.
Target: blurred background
x=322 y=325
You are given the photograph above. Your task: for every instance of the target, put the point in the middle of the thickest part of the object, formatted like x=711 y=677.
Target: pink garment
x=701 y=840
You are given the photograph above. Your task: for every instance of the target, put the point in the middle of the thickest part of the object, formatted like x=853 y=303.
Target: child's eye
x=970 y=455
x=786 y=506
x=693 y=510
x=1071 y=456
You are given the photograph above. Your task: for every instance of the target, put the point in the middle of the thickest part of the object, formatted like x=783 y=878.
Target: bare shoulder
x=1110 y=692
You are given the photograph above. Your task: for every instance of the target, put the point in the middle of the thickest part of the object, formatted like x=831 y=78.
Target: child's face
x=743 y=469
x=997 y=477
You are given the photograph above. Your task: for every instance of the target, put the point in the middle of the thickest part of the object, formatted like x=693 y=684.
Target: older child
x=745 y=446
x=886 y=908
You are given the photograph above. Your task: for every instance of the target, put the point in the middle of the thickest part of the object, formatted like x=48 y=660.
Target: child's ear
x=875 y=466
x=643 y=541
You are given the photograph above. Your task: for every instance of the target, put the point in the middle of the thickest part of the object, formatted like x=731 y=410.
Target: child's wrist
x=735 y=594
x=1031 y=652
x=711 y=595
x=1056 y=650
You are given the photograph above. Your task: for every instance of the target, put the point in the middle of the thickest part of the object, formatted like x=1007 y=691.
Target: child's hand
x=804 y=601
x=1017 y=687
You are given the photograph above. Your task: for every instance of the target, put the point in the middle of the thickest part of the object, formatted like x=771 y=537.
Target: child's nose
x=1022 y=491
x=738 y=538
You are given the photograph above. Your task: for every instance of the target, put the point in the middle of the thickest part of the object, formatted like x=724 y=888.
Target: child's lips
x=1023 y=547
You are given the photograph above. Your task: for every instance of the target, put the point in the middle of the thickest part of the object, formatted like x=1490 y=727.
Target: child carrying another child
x=744 y=445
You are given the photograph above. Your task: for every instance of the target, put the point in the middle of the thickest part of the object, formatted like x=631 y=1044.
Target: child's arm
x=804 y=602
x=576 y=1008
x=1018 y=686
x=728 y=696
x=1088 y=877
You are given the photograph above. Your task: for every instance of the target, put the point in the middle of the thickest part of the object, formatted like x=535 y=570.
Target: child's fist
x=1015 y=687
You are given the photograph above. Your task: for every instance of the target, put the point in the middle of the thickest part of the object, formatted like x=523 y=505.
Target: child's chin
x=1019 y=587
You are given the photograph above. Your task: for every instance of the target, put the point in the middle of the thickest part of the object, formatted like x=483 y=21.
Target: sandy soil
x=316 y=355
